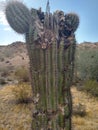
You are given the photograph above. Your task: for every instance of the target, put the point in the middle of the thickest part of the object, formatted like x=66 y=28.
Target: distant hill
x=14 y=54
x=89 y=45
x=12 y=57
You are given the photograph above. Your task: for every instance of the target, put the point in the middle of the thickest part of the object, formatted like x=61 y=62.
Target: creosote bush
x=22 y=74
x=22 y=93
x=2 y=81
x=86 y=63
x=91 y=86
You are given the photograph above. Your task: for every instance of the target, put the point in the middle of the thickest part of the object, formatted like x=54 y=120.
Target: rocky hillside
x=12 y=57
x=88 y=45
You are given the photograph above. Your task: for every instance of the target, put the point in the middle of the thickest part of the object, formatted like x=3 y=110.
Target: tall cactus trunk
x=51 y=72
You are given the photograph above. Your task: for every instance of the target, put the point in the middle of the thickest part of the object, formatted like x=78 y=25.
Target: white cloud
x=3 y=20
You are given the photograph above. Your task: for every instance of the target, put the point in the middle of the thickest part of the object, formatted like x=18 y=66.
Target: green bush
x=22 y=74
x=2 y=81
x=91 y=86
x=2 y=59
x=86 y=63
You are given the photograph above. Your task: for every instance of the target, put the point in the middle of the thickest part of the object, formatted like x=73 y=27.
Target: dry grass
x=14 y=116
x=90 y=120
x=22 y=93
x=18 y=116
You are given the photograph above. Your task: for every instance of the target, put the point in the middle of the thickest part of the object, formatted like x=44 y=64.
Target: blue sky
x=86 y=9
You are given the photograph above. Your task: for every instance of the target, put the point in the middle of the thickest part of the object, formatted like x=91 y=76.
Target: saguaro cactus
x=51 y=43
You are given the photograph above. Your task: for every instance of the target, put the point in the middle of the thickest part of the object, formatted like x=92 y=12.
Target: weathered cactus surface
x=50 y=43
x=52 y=73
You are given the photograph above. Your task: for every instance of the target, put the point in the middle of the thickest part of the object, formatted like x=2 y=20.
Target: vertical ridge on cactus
x=50 y=43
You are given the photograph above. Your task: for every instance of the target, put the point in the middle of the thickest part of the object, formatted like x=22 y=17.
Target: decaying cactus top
x=37 y=23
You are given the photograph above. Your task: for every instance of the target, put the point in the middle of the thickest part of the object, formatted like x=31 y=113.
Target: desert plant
x=18 y=21
x=2 y=81
x=22 y=93
x=4 y=73
x=87 y=63
x=22 y=74
x=2 y=59
x=91 y=86
x=51 y=52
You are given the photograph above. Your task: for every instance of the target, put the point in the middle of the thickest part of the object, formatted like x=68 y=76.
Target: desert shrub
x=86 y=64
x=79 y=110
x=91 y=86
x=8 y=53
x=22 y=74
x=5 y=73
x=2 y=81
x=7 y=61
x=2 y=59
x=22 y=93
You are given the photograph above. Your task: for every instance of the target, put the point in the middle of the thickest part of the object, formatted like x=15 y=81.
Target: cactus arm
x=18 y=16
x=71 y=22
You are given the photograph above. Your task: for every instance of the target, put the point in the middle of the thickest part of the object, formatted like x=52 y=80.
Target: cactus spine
x=51 y=48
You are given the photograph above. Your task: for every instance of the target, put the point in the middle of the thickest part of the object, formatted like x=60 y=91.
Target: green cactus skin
x=18 y=16
x=53 y=85
x=51 y=65
x=71 y=22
